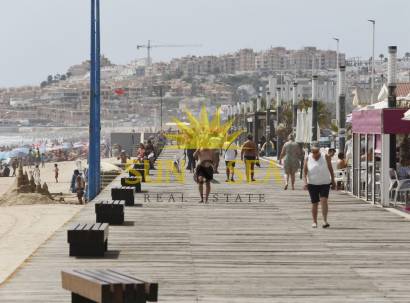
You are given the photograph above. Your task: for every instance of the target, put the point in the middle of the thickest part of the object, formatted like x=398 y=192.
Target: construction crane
x=149 y=46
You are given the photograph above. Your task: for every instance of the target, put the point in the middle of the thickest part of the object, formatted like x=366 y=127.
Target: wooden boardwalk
x=258 y=251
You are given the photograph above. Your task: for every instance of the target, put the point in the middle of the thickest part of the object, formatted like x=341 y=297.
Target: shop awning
x=380 y=121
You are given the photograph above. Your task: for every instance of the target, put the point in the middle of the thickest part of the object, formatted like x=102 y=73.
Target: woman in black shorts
x=319 y=178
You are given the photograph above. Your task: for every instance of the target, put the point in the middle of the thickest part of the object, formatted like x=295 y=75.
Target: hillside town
x=132 y=94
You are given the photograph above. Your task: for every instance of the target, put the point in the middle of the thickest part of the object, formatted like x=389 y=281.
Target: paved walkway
x=258 y=251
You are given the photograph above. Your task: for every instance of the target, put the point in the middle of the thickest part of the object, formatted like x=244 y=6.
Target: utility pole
x=315 y=139
x=341 y=119
x=372 y=74
x=95 y=123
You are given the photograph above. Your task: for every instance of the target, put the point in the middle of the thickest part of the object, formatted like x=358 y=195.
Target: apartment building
x=208 y=65
x=246 y=59
x=228 y=64
x=313 y=58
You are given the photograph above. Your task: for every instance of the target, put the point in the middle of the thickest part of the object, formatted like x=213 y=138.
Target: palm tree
x=381 y=56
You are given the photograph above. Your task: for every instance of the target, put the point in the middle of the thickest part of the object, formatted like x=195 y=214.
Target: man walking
x=318 y=178
x=249 y=153
x=204 y=171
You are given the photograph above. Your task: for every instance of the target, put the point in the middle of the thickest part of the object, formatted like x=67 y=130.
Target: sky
x=42 y=37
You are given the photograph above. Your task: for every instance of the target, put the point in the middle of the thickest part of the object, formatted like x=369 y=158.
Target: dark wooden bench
x=124 y=193
x=138 y=170
x=132 y=181
x=107 y=286
x=111 y=212
x=88 y=239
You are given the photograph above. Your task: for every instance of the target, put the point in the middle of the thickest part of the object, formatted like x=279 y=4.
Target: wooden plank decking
x=238 y=252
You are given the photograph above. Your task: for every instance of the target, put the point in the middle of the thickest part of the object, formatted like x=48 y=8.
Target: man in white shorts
x=230 y=158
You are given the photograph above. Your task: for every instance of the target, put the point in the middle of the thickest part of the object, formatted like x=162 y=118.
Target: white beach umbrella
x=406 y=115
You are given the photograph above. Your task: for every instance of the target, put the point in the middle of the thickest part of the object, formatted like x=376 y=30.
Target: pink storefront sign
x=367 y=121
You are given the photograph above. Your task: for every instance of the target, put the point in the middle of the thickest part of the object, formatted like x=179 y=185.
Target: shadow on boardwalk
x=239 y=252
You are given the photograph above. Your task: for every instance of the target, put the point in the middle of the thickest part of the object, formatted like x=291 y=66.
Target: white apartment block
x=273 y=59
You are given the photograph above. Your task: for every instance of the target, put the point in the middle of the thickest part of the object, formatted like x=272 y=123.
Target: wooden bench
x=111 y=212
x=132 y=181
x=107 y=286
x=138 y=170
x=124 y=193
x=88 y=239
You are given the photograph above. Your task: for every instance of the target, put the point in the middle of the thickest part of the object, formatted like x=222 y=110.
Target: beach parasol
x=406 y=115
x=18 y=152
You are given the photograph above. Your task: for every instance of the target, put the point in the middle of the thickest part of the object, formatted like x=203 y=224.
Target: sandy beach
x=23 y=228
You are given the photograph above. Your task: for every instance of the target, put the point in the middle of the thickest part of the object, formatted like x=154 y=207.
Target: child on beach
x=56 y=172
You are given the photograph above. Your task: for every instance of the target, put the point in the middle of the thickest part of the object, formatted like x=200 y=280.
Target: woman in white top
x=318 y=178
x=230 y=157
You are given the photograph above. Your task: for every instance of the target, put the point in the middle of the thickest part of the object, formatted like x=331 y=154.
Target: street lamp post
x=295 y=106
x=267 y=121
x=337 y=75
x=372 y=74
x=95 y=123
x=391 y=99
x=314 y=110
x=278 y=115
x=341 y=119
x=160 y=94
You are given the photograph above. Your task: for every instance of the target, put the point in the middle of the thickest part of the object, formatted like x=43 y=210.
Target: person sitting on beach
x=6 y=171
